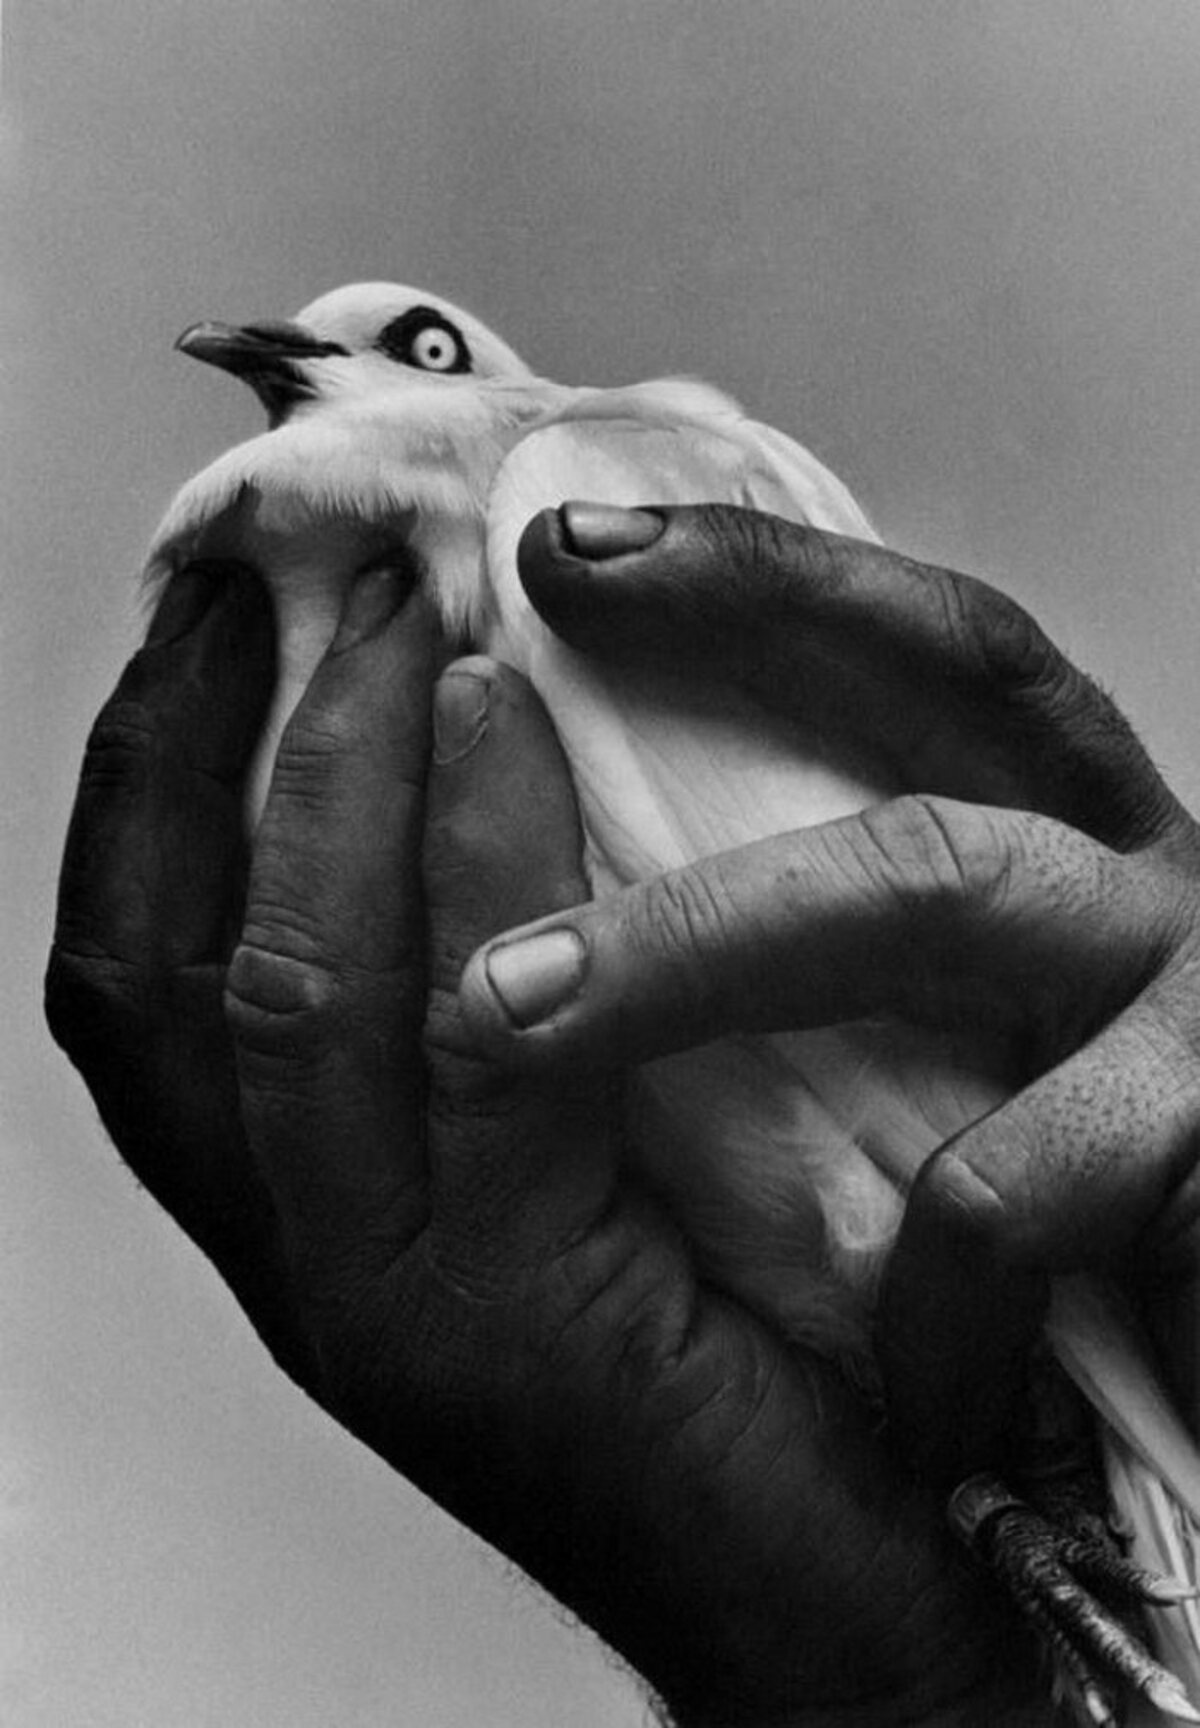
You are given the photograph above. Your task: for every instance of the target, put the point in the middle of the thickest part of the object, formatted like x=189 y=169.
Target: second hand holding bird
x=1062 y=903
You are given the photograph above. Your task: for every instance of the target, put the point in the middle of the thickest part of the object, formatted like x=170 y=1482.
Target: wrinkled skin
x=1040 y=878
x=424 y=1213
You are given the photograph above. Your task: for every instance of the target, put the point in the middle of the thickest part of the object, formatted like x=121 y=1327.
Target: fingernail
x=377 y=595
x=1158 y=1588
x=187 y=599
x=606 y=531
x=460 y=715
x=535 y=976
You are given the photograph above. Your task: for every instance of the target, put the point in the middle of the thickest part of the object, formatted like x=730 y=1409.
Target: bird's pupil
x=424 y=338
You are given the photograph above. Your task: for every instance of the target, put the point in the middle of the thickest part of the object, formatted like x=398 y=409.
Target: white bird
x=399 y=419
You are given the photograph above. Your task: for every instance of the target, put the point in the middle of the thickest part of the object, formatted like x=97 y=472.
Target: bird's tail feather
x=1101 y=1344
x=1152 y=1462
x=1166 y=1539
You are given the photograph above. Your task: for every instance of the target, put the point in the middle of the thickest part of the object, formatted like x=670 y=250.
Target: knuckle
x=289 y=1005
x=1003 y=641
x=727 y=531
x=931 y=851
x=279 y=1004
x=962 y=1209
x=316 y=744
x=1114 y=789
x=614 y=1310
x=461 y=848
x=121 y=743
x=1008 y=650
x=1088 y=756
x=441 y=1034
x=91 y=1000
x=138 y=741
x=307 y=762
x=462 y=1081
x=683 y=920
x=622 y=1327
x=756 y=558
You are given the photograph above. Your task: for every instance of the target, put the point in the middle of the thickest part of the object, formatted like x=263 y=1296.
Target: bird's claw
x=1051 y=1572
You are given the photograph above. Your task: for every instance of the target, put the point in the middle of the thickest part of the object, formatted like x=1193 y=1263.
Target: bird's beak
x=266 y=356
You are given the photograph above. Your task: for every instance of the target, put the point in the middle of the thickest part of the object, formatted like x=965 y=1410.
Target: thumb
x=945 y=674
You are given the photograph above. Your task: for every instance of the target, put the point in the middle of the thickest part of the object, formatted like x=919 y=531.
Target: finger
x=151 y=887
x=636 y=1391
x=951 y=676
x=518 y=1167
x=943 y=914
x=1071 y=1175
x=165 y=758
x=326 y=988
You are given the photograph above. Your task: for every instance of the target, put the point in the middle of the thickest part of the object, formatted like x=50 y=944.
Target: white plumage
x=784 y=1157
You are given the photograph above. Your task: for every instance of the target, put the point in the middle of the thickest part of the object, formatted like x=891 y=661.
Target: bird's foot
x=1065 y=1569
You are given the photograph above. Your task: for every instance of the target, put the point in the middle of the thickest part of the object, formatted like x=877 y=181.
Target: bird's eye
x=434 y=349
x=422 y=337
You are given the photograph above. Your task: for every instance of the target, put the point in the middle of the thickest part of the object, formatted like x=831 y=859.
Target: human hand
x=1060 y=904
x=451 y=1260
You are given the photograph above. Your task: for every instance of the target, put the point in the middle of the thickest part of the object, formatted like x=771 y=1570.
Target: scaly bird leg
x=1051 y=1571
x=1053 y=1544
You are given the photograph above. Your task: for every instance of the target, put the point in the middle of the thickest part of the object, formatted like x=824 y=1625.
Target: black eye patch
x=423 y=338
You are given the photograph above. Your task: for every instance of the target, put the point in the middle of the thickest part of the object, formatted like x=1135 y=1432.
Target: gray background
x=951 y=245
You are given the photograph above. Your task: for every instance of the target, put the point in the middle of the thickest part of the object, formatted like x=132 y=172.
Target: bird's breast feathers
x=434 y=451
x=367 y=458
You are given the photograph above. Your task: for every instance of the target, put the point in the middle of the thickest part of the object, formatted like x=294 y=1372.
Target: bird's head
x=360 y=337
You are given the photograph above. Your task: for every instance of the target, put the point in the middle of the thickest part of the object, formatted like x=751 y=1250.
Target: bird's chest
x=294 y=545
x=308 y=560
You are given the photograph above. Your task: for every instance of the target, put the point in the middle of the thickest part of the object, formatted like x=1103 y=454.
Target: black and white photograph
x=600 y=1079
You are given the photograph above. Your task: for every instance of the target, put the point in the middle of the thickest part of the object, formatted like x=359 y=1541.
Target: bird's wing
x=720 y=444
x=718 y=773
x=727 y=772
x=786 y=1140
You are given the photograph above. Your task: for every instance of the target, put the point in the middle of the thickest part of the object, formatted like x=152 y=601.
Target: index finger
x=948 y=675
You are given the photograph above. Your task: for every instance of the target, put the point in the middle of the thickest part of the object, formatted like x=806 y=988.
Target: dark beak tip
x=242 y=347
x=207 y=341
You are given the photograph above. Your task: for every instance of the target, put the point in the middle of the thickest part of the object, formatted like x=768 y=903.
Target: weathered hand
x=450 y=1259
x=1062 y=902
